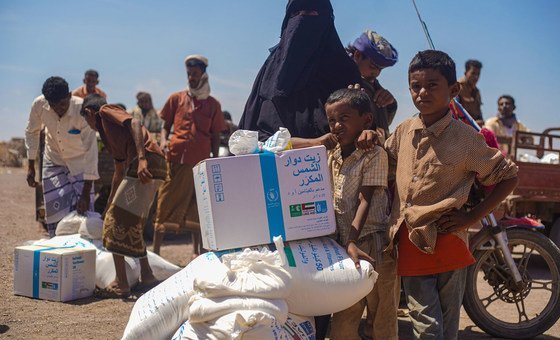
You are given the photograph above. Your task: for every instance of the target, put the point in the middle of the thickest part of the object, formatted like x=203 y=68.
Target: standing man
x=91 y=79
x=144 y=111
x=197 y=121
x=469 y=95
x=505 y=123
x=372 y=53
x=70 y=156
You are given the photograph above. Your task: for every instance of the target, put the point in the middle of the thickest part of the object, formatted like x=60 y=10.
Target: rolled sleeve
x=33 y=129
x=89 y=141
x=489 y=163
x=167 y=113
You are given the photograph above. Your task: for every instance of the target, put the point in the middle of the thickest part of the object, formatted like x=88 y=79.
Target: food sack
x=325 y=280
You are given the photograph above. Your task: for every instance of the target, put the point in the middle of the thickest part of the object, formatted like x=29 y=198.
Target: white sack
x=324 y=279
x=249 y=325
x=69 y=224
x=91 y=226
x=250 y=273
x=203 y=309
x=159 y=312
x=105 y=271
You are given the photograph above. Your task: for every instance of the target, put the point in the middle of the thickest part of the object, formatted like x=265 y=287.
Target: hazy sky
x=140 y=45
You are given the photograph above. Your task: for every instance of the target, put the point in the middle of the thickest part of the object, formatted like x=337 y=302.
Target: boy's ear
x=454 y=90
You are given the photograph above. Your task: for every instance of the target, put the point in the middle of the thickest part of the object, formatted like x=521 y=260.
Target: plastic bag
x=244 y=142
x=69 y=224
x=278 y=142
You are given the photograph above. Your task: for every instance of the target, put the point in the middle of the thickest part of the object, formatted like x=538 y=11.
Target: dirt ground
x=91 y=318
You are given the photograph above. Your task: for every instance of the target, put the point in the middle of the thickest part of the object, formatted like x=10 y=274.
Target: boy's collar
x=337 y=153
x=435 y=129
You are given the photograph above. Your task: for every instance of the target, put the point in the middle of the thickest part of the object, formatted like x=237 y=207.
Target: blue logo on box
x=217 y=178
x=216 y=169
x=218 y=187
x=321 y=207
x=220 y=197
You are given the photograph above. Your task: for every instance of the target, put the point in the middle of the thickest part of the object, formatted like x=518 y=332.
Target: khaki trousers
x=381 y=304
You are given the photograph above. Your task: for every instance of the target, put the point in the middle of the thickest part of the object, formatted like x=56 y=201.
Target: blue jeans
x=435 y=303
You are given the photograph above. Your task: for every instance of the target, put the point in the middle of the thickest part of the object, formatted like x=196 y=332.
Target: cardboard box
x=247 y=200
x=54 y=273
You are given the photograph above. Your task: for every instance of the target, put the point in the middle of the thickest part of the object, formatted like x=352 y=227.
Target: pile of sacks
x=85 y=232
x=266 y=292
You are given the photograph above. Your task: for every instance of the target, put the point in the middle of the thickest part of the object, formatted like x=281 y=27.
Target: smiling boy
x=360 y=202
x=435 y=160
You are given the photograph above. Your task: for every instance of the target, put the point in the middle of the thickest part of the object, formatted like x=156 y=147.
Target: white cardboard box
x=246 y=200
x=54 y=273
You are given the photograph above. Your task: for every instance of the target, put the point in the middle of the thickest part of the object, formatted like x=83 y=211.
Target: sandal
x=111 y=293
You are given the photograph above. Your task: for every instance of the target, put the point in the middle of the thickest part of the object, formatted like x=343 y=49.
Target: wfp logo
x=272 y=195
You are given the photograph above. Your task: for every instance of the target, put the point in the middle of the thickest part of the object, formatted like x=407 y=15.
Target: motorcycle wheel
x=499 y=307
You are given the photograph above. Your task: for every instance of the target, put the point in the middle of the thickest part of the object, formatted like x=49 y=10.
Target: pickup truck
x=538 y=191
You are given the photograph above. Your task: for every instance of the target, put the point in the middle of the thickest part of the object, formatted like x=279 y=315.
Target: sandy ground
x=90 y=318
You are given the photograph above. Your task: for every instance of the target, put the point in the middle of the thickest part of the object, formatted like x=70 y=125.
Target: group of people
x=147 y=159
x=398 y=197
x=505 y=123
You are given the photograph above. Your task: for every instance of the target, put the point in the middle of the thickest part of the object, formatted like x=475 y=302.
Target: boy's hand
x=143 y=173
x=329 y=140
x=83 y=204
x=356 y=254
x=355 y=87
x=367 y=140
x=31 y=177
x=454 y=220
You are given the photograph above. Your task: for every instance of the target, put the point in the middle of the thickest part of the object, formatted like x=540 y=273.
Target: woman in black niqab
x=307 y=65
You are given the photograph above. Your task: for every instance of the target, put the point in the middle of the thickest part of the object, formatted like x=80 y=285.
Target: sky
x=140 y=45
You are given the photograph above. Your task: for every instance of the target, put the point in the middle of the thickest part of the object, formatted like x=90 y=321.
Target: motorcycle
x=516 y=267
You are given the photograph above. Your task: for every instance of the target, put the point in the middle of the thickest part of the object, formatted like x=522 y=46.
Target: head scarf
x=376 y=48
x=202 y=90
x=307 y=65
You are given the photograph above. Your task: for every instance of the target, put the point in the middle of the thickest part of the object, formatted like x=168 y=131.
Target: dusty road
x=91 y=318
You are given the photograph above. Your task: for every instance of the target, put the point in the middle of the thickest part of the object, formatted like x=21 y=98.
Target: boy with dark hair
x=359 y=180
x=91 y=79
x=70 y=157
x=436 y=159
x=469 y=94
x=140 y=168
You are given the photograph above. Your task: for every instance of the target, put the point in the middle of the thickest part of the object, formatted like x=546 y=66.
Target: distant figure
x=469 y=95
x=91 y=79
x=70 y=156
x=224 y=137
x=505 y=123
x=144 y=111
x=372 y=53
x=197 y=121
x=139 y=171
